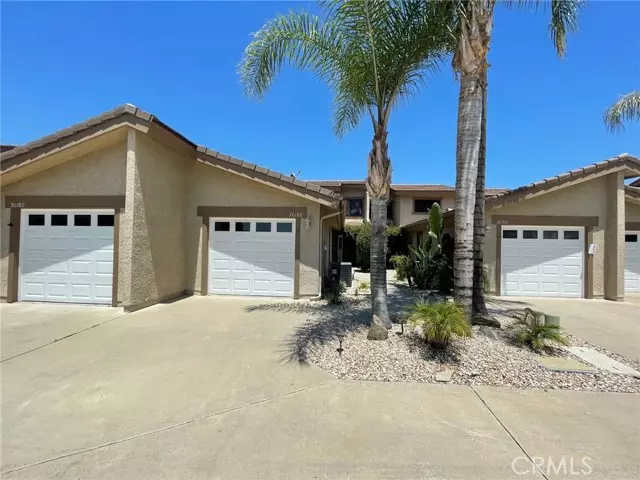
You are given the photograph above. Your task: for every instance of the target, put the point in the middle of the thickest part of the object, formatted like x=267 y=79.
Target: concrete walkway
x=206 y=388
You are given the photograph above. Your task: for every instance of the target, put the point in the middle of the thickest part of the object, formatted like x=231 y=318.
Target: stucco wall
x=153 y=252
x=403 y=209
x=101 y=172
x=632 y=212
x=585 y=199
x=211 y=186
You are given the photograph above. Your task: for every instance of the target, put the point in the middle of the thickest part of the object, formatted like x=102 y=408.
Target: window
x=571 y=235
x=222 y=226
x=82 y=220
x=36 y=219
x=631 y=238
x=530 y=234
x=390 y=210
x=421 y=205
x=509 y=234
x=550 y=235
x=105 y=220
x=284 y=227
x=263 y=226
x=58 y=220
x=355 y=207
x=243 y=226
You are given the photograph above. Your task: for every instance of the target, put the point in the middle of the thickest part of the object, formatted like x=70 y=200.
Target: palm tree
x=627 y=109
x=474 y=22
x=373 y=54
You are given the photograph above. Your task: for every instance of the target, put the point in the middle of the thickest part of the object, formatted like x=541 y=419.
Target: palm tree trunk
x=378 y=185
x=467 y=148
x=479 y=306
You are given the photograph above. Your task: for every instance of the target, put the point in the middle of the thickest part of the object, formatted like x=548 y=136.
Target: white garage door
x=632 y=262
x=542 y=261
x=252 y=256
x=66 y=256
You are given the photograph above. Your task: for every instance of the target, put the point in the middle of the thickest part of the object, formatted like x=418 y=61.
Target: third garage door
x=252 y=256
x=542 y=261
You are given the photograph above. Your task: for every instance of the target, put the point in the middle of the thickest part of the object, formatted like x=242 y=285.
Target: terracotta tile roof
x=400 y=187
x=632 y=191
x=129 y=109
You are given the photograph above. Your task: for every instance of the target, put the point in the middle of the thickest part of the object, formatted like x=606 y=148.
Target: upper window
x=105 y=220
x=571 y=235
x=530 y=234
x=631 y=238
x=509 y=234
x=36 y=219
x=421 y=205
x=81 y=220
x=550 y=235
x=243 y=226
x=222 y=226
x=355 y=207
x=58 y=220
x=284 y=227
x=263 y=226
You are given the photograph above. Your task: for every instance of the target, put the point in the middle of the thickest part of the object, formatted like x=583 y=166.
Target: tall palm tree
x=473 y=25
x=627 y=109
x=373 y=54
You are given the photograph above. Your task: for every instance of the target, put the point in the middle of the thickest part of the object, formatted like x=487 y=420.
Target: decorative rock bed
x=489 y=357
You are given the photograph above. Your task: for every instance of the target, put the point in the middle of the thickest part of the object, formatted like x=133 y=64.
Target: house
x=573 y=235
x=123 y=210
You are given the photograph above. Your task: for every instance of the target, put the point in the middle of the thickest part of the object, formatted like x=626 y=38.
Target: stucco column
x=614 y=238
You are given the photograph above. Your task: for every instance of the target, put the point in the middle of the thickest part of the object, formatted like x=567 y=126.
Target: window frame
x=419 y=199
x=348 y=205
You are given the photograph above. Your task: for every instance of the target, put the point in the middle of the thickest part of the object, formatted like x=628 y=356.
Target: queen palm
x=473 y=25
x=372 y=54
x=626 y=109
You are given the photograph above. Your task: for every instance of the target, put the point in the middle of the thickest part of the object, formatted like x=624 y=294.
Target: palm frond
x=627 y=109
x=304 y=40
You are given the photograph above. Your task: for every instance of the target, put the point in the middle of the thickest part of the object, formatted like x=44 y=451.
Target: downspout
x=321 y=255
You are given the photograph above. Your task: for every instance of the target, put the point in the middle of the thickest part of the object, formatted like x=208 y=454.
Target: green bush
x=402 y=264
x=530 y=330
x=361 y=232
x=439 y=321
x=333 y=291
x=364 y=285
x=428 y=272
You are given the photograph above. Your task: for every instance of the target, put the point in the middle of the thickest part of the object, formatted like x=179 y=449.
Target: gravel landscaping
x=489 y=357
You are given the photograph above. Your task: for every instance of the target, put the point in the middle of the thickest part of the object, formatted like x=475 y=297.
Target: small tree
x=361 y=233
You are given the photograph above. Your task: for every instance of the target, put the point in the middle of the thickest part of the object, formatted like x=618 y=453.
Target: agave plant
x=439 y=322
x=531 y=330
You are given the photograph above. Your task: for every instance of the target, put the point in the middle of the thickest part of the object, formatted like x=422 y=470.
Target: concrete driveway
x=612 y=325
x=205 y=388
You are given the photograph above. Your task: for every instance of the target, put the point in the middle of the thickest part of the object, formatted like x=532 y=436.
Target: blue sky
x=64 y=62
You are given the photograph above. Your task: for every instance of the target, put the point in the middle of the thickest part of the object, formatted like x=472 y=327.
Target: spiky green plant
x=402 y=264
x=530 y=330
x=439 y=322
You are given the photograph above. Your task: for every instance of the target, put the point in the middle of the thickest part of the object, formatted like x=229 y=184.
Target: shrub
x=439 y=321
x=428 y=272
x=530 y=330
x=402 y=264
x=361 y=232
x=364 y=285
x=333 y=291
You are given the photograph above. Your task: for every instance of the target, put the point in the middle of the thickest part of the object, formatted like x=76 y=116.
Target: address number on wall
x=295 y=214
x=16 y=204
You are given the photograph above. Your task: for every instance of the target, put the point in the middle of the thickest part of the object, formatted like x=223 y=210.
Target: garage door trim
x=17 y=202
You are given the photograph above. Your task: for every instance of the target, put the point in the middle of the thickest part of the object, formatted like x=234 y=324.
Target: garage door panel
x=632 y=262
x=258 y=260
x=66 y=263
x=546 y=264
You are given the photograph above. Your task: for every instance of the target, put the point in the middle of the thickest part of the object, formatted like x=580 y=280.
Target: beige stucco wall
x=403 y=208
x=211 y=186
x=585 y=199
x=153 y=250
x=101 y=172
x=632 y=212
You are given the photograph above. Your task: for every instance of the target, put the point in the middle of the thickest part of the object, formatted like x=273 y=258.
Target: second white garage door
x=542 y=261
x=252 y=256
x=632 y=262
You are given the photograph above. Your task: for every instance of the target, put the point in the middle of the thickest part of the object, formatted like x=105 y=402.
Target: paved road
x=205 y=388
